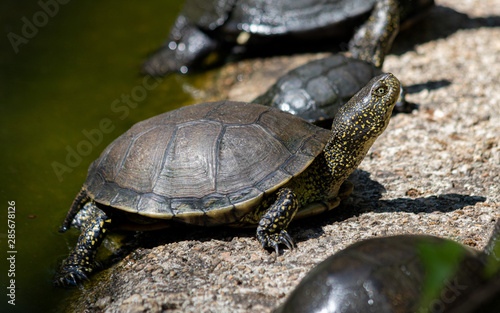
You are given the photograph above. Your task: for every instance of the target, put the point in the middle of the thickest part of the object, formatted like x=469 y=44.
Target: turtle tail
x=78 y=203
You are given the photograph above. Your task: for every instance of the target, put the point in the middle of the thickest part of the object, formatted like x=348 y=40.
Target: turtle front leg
x=80 y=262
x=273 y=223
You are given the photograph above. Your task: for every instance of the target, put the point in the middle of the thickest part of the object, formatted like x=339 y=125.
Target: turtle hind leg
x=80 y=200
x=80 y=262
x=273 y=223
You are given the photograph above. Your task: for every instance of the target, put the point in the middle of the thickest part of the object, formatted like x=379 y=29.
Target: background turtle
x=316 y=90
x=226 y=163
x=406 y=273
x=211 y=27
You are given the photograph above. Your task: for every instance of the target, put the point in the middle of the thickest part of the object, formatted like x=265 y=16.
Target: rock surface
x=435 y=171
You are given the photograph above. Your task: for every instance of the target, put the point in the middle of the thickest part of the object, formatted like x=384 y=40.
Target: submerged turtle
x=207 y=26
x=316 y=90
x=406 y=273
x=226 y=163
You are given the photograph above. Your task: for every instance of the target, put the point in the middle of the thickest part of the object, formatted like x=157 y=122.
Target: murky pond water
x=69 y=85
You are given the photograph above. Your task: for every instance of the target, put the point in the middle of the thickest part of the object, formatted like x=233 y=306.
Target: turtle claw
x=287 y=239
x=274 y=239
x=69 y=278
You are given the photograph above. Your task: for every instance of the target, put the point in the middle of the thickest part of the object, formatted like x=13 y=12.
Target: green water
x=62 y=93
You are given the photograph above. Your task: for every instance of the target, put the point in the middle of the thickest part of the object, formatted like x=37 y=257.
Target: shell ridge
x=276 y=186
x=285 y=164
x=327 y=69
x=108 y=149
x=124 y=157
x=257 y=119
x=164 y=158
x=221 y=103
x=217 y=155
x=102 y=189
x=135 y=138
x=132 y=142
x=89 y=191
x=156 y=175
x=267 y=131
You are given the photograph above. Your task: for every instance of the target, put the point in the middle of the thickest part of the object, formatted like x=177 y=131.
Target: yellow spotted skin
x=373 y=40
x=320 y=186
x=355 y=128
x=80 y=262
x=272 y=226
x=358 y=125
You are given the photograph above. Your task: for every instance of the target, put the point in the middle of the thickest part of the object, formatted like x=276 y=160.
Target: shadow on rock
x=365 y=198
x=367 y=194
x=440 y=203
x=430 y=85
x=407 y=106
x=366 y=190
x=440 y=23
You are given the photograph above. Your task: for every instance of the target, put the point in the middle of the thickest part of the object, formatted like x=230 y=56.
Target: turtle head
x=359 y=123
x=367 y=114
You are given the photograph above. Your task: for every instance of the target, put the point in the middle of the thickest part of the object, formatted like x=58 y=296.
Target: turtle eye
x=380 y=90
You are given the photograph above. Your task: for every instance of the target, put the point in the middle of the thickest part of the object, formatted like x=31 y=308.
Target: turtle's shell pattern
x=318 y=89
x=388 y=274
x=301 y=18
x=204 y=164
x=279 y=17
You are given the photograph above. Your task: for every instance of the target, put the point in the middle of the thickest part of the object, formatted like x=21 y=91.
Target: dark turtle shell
x=261 y=26
x=274 y=18
x=301 y=18
x=406 y=273
x=215 y=162
x=317 y=90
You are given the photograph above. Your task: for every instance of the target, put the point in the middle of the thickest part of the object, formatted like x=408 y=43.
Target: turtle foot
x=272 y=226
x=70 y=277
x=80 y=262
x=272 y=240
